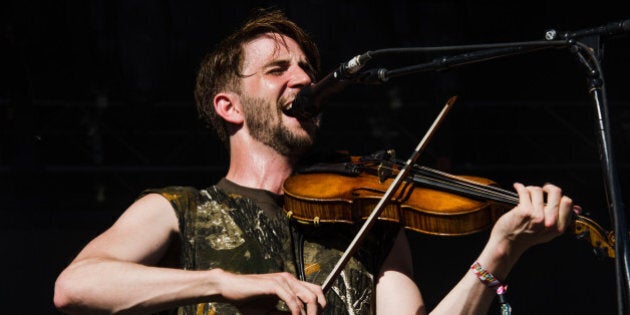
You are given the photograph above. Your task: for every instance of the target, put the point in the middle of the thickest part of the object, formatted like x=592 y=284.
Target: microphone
x=609 y=29
x=310 y=100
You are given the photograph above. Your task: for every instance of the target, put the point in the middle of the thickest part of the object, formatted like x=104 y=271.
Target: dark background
x=96 y=105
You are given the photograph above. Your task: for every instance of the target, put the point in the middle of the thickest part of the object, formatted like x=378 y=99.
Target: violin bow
x=378 y=209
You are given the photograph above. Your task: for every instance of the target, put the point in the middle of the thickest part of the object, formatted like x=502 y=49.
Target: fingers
x=531 y=204
x=566 y=212
x=321 y=298
x=552 y=206
x=546 y=207
x=297 y=297
x=558 y=208
x=301 y=297
x=523 y=195
x=542 y=214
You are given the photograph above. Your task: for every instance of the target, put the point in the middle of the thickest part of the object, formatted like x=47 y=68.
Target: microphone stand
x=588 y=59
x=611 y=181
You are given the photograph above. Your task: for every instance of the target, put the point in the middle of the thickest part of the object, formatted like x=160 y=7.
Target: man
x=237 y=251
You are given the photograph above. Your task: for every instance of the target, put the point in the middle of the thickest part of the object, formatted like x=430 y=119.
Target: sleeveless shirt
x=244 y=230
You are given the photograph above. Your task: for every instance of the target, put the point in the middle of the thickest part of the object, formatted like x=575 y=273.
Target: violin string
x=448 y=181
x=461 y=179
x=512 y=197
x=466 y=188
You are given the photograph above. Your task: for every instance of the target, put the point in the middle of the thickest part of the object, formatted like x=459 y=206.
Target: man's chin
x=300 y=147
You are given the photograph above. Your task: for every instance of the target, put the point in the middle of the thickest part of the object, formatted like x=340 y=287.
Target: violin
x=429 y=201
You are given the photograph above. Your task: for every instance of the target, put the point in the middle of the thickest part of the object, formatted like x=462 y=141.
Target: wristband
x=493 y=283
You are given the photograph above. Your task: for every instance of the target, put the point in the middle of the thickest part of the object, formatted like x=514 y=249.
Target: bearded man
x=236 y=251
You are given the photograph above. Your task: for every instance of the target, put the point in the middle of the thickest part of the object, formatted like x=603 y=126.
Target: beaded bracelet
x=493 y=283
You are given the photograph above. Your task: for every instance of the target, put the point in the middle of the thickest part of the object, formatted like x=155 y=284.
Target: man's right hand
x=300 y=297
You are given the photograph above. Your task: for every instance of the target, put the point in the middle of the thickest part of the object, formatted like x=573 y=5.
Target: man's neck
x=255 y=165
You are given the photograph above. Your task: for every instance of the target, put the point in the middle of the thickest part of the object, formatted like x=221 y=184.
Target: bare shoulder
x=141 y=234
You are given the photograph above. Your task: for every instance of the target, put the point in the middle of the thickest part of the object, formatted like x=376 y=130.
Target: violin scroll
x=602 y=241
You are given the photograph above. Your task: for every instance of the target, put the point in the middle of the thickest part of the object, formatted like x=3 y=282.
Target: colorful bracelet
x=493 y=283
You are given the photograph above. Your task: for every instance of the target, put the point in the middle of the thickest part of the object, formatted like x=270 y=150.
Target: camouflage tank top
x=245 y=231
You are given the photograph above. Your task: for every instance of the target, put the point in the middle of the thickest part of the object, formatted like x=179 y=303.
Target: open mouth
x=293 y=109
x=287 y=109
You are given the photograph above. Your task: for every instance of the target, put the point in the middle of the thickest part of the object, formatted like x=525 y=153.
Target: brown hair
x=220 y=71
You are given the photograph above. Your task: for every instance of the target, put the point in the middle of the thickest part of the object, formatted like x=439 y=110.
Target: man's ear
x=227 y=105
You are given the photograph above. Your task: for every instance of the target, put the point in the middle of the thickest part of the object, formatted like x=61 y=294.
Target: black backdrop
x=96 y=105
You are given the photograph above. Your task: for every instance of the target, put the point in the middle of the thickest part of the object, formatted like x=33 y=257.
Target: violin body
x=339 y=198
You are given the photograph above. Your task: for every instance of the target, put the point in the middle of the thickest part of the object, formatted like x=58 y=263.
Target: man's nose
x=299 y=78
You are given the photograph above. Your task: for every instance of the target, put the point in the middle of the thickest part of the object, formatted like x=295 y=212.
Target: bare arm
x=113 y=273
x=396 y=291
x=535 y=220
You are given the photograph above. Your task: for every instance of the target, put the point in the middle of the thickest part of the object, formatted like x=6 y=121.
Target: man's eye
x=276 y=71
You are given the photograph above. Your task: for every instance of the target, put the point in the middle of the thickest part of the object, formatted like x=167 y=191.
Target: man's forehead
x=269 y=46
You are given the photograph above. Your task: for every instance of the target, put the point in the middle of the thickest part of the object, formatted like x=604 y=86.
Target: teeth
x=288 y=107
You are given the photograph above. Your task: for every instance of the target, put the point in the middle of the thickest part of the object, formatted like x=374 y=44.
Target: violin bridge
x=384 y=171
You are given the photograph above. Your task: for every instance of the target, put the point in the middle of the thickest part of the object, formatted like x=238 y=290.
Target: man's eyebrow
x=273 y=63
x=276 y=63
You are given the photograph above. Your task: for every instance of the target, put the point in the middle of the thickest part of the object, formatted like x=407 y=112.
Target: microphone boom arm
x=381 y=75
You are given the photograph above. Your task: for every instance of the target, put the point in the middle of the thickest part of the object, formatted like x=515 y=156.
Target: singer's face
x=275 y=70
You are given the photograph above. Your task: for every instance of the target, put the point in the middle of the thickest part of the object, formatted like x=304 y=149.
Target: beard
x=264 y=121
